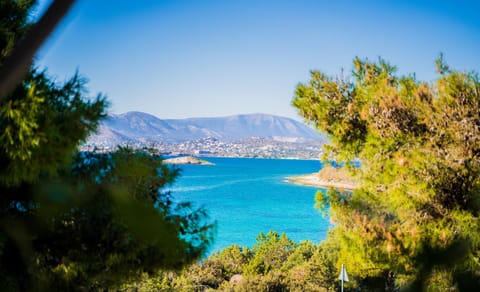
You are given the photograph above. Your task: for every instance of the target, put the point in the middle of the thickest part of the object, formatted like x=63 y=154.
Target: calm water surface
x=248 y=196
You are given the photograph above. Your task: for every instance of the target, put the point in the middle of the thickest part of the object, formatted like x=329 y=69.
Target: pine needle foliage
x=72 y=220
x=415 y=214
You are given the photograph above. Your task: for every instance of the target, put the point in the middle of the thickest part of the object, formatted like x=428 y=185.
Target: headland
x=327 y=177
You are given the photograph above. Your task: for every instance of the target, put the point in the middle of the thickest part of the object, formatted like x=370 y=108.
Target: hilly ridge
x=142 y=127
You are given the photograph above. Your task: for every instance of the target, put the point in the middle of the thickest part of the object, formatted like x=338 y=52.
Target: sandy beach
x=324 y=179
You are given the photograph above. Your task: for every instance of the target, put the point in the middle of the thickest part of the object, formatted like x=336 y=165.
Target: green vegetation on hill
x=414 y=218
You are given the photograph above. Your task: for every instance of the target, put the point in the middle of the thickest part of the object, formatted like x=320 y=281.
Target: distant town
x=253 y=135
x=255 y=147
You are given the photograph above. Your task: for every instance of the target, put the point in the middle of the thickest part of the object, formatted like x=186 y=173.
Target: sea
x=246 y=196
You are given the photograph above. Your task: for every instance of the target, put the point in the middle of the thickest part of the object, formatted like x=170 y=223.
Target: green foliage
x=42 y=124
x=312 y=267
x=291 y=267
x=233 y=259
x=85 y=219
x=416 y=211
x=271 y=251
x=80 y=221
x=13 y=24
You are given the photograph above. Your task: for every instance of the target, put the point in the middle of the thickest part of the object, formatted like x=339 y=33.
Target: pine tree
x=72 y=220
x=415 y=215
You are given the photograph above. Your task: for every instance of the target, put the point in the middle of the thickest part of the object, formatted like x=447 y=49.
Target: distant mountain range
x=141 y=127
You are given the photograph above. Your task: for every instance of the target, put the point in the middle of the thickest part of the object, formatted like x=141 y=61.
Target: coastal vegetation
x=274 y=263
x=72 y=220
x=413 y=220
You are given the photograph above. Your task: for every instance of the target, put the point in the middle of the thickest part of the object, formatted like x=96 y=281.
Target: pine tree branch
x=19 y=62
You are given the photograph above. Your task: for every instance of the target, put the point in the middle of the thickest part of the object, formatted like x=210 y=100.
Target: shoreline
x=314 y=180
x=259 y=157
x=182 y=160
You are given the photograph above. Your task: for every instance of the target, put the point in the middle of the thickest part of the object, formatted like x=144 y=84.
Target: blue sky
x=181 y=58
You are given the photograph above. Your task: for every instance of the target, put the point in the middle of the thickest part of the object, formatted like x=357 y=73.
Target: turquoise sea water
x=248 y=196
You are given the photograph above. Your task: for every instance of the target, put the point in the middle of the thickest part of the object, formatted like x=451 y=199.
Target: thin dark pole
x=16 y=65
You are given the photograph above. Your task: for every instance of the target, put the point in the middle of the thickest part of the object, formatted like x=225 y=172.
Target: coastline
x=187 y=160
x=325 y=178
x=259 y=157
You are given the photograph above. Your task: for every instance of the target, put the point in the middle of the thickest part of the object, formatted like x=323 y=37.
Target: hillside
x=142 y=127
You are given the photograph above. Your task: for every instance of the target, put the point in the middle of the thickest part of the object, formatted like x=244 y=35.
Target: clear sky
x=192 y=58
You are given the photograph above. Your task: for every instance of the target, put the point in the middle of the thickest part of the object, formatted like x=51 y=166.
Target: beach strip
x=320 y=180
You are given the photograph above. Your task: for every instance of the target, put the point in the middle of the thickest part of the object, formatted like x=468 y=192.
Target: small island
x=327 y=177
x=187 y=160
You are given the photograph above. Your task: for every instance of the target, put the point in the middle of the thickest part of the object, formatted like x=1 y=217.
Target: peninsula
x=327 y=177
